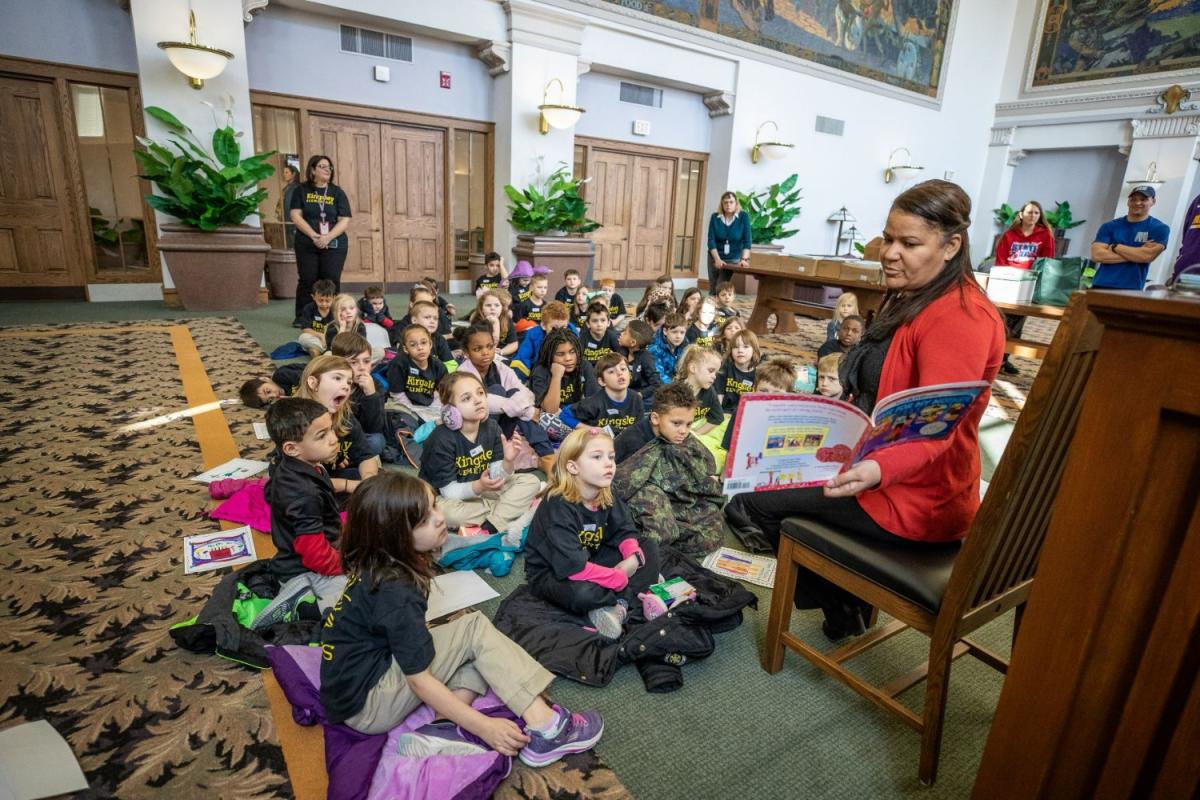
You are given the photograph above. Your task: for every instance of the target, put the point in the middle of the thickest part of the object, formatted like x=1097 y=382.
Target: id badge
x=323 y=227
x=725 y=251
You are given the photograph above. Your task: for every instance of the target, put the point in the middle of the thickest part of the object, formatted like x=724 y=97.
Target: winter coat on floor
x=659 y=647
x=674 y=495
x=216 y=628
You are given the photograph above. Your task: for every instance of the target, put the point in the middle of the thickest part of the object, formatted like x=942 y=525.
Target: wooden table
x=778 y=278
x=1026 y=347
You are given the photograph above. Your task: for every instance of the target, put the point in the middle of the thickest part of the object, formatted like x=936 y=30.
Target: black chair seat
x=916 y=571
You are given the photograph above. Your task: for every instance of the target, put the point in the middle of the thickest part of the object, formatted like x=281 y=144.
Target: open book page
x=790 y=441
x=928 y=412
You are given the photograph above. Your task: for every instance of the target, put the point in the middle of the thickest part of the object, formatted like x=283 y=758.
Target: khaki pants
x=310 y=342
x=469 y=653
x=499 y=508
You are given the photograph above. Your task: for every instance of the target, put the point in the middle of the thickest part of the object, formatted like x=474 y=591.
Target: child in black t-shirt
x=775 y=376
x=380 y=661
x=562 y=376
x=613 y=302
x=491 y=309
x=305 y=522
x=643 y=375
x=531 y=308
x=615 y=408
x=849 y=334
x=444 y=305
x=703 y=328
x=426 y=315
x=346 y=319
x=315 y=317
x=571 y=282
x=736 y=376
x=725 y=294
x=583 y=553
x=598 y=337
x=260 y=391
x=368 y=397
x=413 y=375
x=579 y=307
x=518 y=281
x=374 y=308
x=329 y=380
x=494 y=274
x=471 y=464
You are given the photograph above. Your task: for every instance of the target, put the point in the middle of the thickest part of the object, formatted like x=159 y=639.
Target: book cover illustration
x=215 y=550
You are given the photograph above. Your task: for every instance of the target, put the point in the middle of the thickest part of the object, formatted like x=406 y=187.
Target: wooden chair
x=946 y=591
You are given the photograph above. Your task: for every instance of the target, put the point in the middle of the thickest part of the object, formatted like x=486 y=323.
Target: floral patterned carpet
x=93 y=523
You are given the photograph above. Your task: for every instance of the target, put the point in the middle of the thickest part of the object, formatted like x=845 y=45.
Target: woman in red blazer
x=1027 y=239
x=935 y=326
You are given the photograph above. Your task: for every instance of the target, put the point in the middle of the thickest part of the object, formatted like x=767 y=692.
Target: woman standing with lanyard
x=728 y=241
x=320 y=211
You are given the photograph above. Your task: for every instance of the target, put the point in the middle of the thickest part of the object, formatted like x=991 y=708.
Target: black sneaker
x=297 y=323
x=1009 y=368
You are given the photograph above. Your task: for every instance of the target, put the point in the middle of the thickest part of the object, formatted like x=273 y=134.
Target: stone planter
x=217 y=271
x=559 y=253
x=282 y=275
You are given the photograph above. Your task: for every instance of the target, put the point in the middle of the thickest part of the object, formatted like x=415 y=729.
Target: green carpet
x=732 y=729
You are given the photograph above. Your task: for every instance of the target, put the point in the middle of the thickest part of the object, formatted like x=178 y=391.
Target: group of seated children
x=674 y=371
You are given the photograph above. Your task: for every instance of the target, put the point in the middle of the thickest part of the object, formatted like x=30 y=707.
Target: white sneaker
x=436 y=739
x=608 y=621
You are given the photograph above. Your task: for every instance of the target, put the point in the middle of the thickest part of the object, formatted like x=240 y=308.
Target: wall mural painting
x=1088 y=40
x=898 y=42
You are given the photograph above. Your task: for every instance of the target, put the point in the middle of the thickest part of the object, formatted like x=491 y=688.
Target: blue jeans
x=375 y=442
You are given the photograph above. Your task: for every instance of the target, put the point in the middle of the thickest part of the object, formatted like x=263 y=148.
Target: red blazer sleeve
x=953 y=350
x=317 y=555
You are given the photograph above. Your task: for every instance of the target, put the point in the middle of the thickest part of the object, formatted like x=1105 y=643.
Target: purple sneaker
x=580 y=732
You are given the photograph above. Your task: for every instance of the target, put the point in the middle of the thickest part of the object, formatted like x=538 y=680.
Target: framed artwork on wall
x=1114 y=40
x=900 y=43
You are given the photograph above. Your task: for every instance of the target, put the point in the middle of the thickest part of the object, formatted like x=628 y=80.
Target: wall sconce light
x=1151 y=178
x=900 y=170
x=841 y=217
x=772 y=150
x=197 y=61
x=556 y=115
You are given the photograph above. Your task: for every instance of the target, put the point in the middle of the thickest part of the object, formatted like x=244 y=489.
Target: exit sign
x=444 y=80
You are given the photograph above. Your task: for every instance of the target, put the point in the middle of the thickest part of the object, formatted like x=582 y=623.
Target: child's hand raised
x=515 y=447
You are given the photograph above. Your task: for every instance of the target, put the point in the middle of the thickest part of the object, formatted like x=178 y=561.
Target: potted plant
x=1061 y=221
x=215 y=260
x=550 y=217
x=770 y=211
x=1004 y=216
x=554 y=208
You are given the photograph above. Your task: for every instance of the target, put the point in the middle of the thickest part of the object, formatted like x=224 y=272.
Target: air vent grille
x=641 y=95
x=376 y=43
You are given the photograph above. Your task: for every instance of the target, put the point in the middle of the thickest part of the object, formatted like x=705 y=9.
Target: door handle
x=376 y=230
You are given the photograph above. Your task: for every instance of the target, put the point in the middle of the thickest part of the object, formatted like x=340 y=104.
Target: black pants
x=768 y=510
x=580 y=597
x=718 y=272
x=314 y=264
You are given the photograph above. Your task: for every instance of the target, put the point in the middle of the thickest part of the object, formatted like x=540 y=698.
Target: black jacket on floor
x=659 y=647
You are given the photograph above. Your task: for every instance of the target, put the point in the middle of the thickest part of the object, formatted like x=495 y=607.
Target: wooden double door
x=636 y=194
x=39 y=235
x=394 y=177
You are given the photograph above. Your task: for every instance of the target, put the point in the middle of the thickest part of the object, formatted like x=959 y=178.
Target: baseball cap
x=1148 y=191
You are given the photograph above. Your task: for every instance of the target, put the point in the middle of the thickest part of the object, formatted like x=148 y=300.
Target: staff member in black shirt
x=320 y=211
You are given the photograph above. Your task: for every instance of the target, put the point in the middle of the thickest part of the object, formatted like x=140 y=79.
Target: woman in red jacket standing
x=1027 y=239
x=935 y=326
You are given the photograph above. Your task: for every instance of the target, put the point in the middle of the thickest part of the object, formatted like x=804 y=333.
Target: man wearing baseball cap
x=1125 y=246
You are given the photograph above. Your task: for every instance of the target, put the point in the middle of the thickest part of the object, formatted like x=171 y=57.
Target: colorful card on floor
x=234 y=468
x=215 y=550
x=759 y=570
x=260 y=430
x=456 y=590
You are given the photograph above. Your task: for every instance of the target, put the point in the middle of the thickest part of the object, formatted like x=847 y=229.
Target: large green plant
x=1005 y=215
x=550 y=205
x=770 y=210
x=206 y=189
x=1060 y=218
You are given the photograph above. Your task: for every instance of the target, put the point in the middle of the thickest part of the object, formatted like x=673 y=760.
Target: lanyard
x=321 y=201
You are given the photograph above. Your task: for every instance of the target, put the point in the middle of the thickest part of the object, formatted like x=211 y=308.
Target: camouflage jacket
x=673 y=495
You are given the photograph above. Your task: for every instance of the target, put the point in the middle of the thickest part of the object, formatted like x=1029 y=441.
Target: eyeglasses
x=324 y=166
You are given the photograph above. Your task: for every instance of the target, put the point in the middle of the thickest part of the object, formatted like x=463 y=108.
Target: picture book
x=741 y=566
x=234 y=468
x=215 y=550
x=797 y=440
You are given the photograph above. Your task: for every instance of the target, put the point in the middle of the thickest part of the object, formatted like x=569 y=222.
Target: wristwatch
x=641 y=558
x=1113 y=246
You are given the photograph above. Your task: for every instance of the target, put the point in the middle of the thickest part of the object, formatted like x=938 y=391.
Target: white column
x=218 y=24
x=1170 y=142
x=1002 y=159
x=544 y=46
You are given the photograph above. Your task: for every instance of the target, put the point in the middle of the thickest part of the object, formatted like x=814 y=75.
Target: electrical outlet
x=383 y=74
x=641 y=127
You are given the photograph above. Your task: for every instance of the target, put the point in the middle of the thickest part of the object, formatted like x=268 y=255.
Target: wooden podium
x=1102 y=698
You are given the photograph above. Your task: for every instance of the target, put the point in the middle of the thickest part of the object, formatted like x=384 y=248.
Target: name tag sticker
x=413 y=371
x=591 y=526
x=591 y=346
x=476 y=450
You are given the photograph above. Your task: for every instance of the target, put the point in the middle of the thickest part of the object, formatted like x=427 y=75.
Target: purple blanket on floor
x=368 y=766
